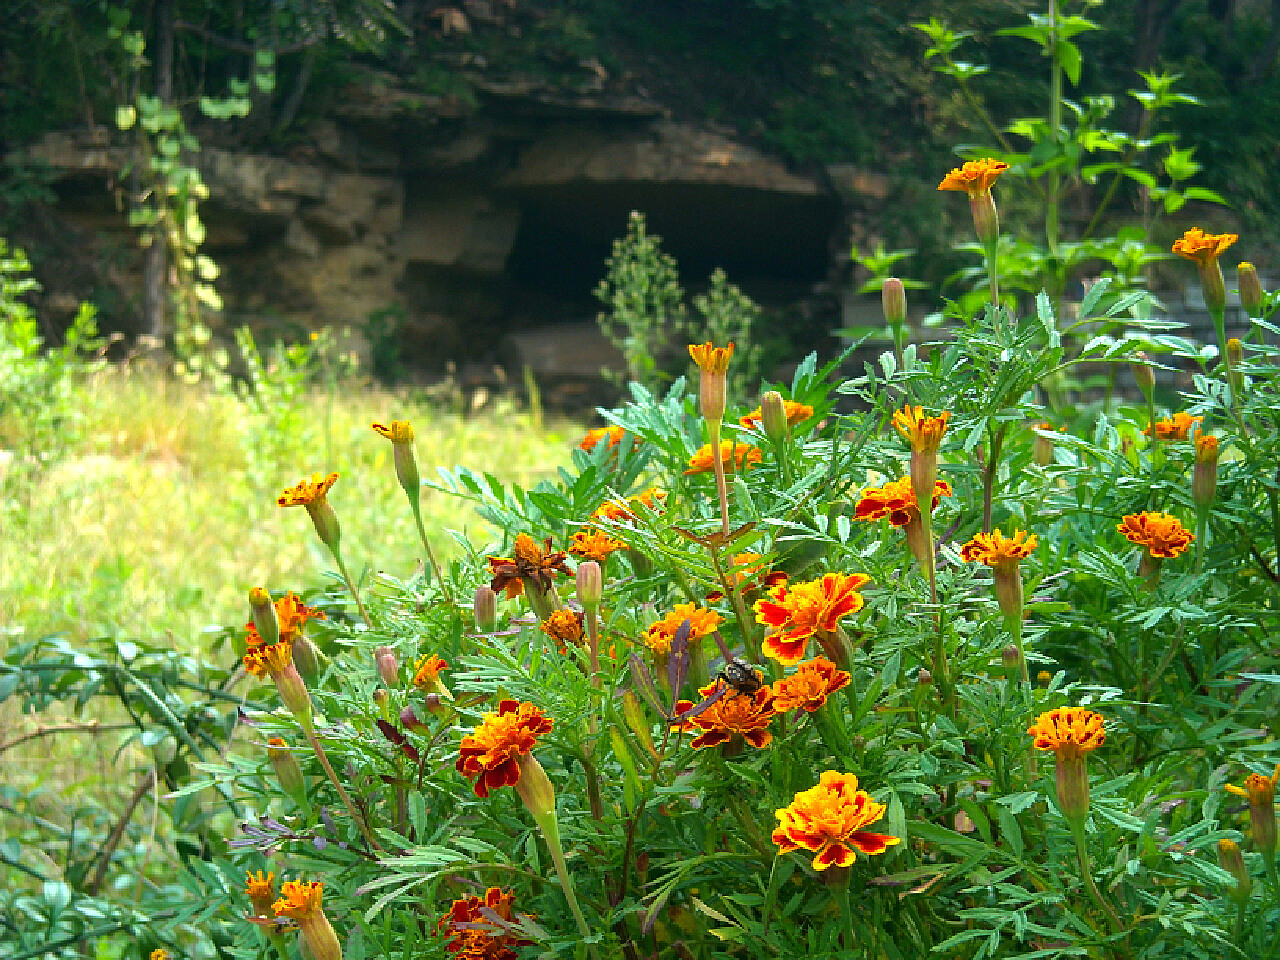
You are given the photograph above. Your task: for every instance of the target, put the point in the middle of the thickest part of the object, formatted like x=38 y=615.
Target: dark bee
x=741 y=676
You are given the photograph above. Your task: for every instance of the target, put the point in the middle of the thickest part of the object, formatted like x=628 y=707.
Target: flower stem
x=431 y=556
x=1015 y=628
x=550 y=828
x=351 y=585
x=309 y=729
x=1086 y=875
x=722 y=489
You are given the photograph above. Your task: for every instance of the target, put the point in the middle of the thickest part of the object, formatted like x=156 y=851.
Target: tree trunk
x=155 y=262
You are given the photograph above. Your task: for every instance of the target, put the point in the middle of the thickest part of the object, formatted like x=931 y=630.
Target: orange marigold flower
x=426 y=672
x=924 y=433
x=975 y=178
x=796 y=413
x=624 y=510
x=473 y=935
x=746 y=571
x=306 y=492
x=594 y=545
x=1177 y=427
x=996 y=550
x=1203 y=247
x=795 y=612
x=827 y=820
x=808 y=688
x=743 y=455
x=528 y=562
x=613 y=434
x=895 y=501
x=267 y=661
x=492 y=752
x=1261 y=792
x=565 y=627
x=159 y=954
x=291 y=614
x=1258 y=787
x=1070 y=732
x=1162 y=534
x=261 y=891
x=702 y=623
x=299 y=901
x=709 y=358
x=734 y=715
x=399 y=431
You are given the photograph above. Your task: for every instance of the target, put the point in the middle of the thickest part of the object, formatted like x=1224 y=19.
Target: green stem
x=309 y=729
x=550 y=828
x=1015 y=629
x=846 y=914
x=431 y=556
x=722 y=489
x=994 y=444
x=351 y=585
x=1086 y=875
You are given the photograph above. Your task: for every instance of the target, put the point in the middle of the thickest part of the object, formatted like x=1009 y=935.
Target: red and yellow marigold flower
x=398 y=431
x=743 y=455
x=828 y=821
x=808 y=688
x=312 y=494
x=746 y=570
x=426 y=672
x=795 y=612
x=261 y=891
x=1177 y=427
x=492 y=752
x=735 y=715
x=472 y=932
x=566 y=628
x=291 y=616
x=922 y=431
x=996 y=550
x=620 y=511
x=1070 y=732
x=702 y=623
x=276 y=661
x=594 y=545
x=796 y=413
x=976 y=177
x=710 y=358
x=1260 y=790
x=612 y=434
x=896 y=501
x=1163 y=535
x=528 y=565
x=301 y=902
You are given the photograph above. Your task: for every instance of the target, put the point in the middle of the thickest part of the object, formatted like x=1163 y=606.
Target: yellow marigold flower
x=924 y=433
x=299 y=901
x=1162 y=534
x=1261 y=793
x=594 y=545
x=565 y=627
x=307 y=492
x=734 y=715
x=795 y=612
x=976 y=177
x=492 y=752
x=399 y=431
x=1044 y=676
x=743 y=455
x=159 y=955
x=796 y=413
x=267 y=661
x=1203 y=247
x=808 y=688
x=896 y=501
x=828 y=821
x=1177 y=427
x=261 y=891
x=996 y=550
x=1258 y=787
x=624 y=510
x=472 y=933
x=426 y=672
x=702 y=623
x=1070 y=732
x=613 y=434
x=709 y=358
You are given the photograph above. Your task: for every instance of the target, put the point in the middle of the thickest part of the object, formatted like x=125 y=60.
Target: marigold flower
x=276 y=661
x=472 y=933
x=746 y=571
x=1260 y=790
x=1162 y=534
x=612 y=433
x=996 y=550
x=1070 y=732
x=301 y=902
x=923 y=432
x=529 y=563
x=566 y=628
x=796 y=413
x=594 y=545
x=1044 y=676
x=160 y=954
x=399 y=431
x=261 y=891
x=827 y=820
x=427 y=670
x=492 y=752
x=702 y=623
x=710 y=358
x=896 y=501
x=1177 y=427
x=976 y=177
x=1232 y=861
x=795 y=612
x=808 y=688
x=734 y=715
x=743 y=454
x=624 y=510
x=1201 y=247
x=312 y=495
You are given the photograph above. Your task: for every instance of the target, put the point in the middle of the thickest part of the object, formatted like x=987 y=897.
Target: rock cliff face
x=464 y=226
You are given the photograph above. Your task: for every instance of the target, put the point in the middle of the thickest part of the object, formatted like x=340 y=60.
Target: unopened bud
x=1204 y=478
x=1235 y=357
x=409 y=720
x=381 y=698
x=1232 y=861
x=893 y=299
x=1011 y=656
x=590 y=584
x=1143 y=374
x=388 y=666
x=924 y=677
x=264 y=616
x=773 y=416
x=306 y=659
x=486 y=610
x=1250 y=289
x=285 y=765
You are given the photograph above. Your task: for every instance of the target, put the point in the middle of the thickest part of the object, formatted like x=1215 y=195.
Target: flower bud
x=380 y=699
x=1235 y=356
x=1011 y=656
x=924 y=677
x=1204 y=478
x=590 y=584
x=306 y=659
x=773 y=416
x=388 y=666
x=893 y=299
x=1213 y=286
x=1143 y=374
x=287 y=770
x=1232 y=861
x=409 y=720
x=1250 y=289
x=264 y=616
x=486 y=610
